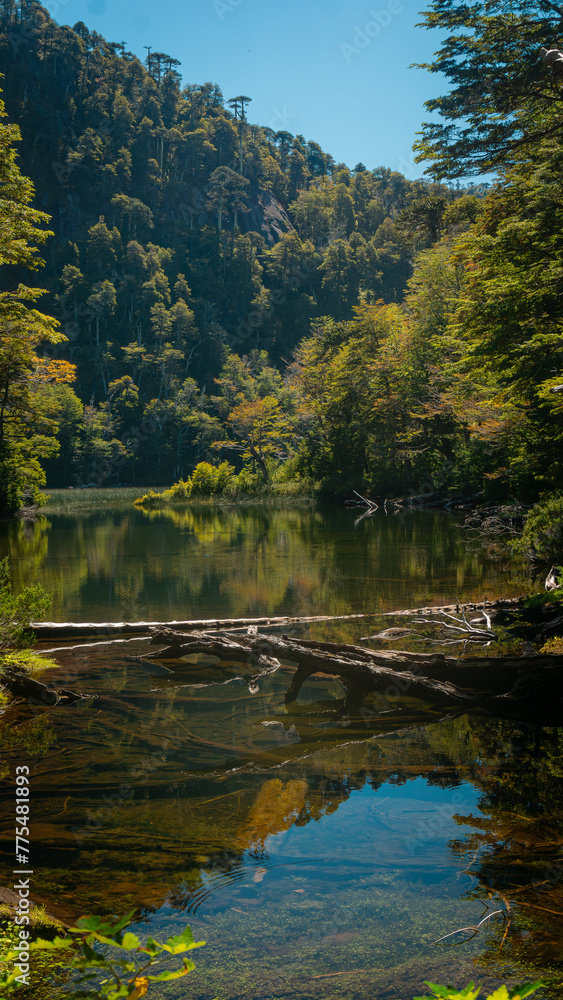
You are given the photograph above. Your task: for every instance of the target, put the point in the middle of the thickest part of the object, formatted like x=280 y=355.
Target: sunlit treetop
x=505 y=95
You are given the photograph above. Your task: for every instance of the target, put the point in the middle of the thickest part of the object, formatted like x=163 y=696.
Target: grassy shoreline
x=90 y=499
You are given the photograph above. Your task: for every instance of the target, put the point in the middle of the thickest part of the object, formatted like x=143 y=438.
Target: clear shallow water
x=317 y=856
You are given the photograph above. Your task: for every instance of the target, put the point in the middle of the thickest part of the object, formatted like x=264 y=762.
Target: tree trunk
x=504 y=686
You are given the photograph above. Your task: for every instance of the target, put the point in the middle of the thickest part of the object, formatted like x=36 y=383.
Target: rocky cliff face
x=264 y=214
x=267 y=216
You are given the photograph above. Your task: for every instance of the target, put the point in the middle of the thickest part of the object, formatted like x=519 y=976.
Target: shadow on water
x=319 y=855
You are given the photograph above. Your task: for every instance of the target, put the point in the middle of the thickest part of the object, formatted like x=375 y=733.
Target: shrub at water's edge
x=18 y=611
x=542 y=538
x=213 y=482
x=16 y=614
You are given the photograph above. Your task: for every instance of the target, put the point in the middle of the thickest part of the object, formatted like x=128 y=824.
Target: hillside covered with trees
x=215 y=289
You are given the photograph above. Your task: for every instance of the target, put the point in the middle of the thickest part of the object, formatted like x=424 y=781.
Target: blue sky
x=334 y=70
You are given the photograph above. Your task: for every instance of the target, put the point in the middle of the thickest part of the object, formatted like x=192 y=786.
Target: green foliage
x=379 y=417
x=210 y=480
x=18 y=611
x=179 y=493
x=206 y=481
x=220 y=482
x=502 y=97
x=16 y=614
x=27 y=430
x=542 y=538
x=504 y=108
x=553 y=646
x=421 y=304
x=131 y=144
x=470 y=992
x=123 y=960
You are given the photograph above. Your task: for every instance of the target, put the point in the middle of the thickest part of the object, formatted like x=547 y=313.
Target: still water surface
x=318 y=855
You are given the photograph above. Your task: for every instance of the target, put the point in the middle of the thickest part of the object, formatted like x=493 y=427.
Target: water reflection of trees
x=243 y=561
x=205 y=797
x=158 y=795
x=515 y=850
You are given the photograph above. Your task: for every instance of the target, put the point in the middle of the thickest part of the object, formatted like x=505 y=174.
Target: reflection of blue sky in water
x=363 y=892
x=408 y=824
x=363 y=881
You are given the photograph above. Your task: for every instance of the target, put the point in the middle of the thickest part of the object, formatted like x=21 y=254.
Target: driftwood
x=453 y=628
x=61 y=630
x=443 y=682
x=359 y=670
x=494 y=606
x=520 y=621
x=370 y=505
x=533 y=624
x=21 y=685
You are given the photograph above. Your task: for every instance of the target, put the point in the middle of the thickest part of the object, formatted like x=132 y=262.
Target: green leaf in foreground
x=165 y=976
x=127 y=977
x=471 y=992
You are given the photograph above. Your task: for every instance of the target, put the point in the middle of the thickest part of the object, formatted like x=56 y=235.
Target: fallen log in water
x=61 y=630
x=351 y=664
x=431 y=678
x=21 y=685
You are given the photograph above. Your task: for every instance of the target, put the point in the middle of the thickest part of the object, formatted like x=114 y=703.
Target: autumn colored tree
x=26 y=433
x=260 y=431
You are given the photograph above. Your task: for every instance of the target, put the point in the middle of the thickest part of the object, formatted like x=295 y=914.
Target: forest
x=194 y=306
x=207 y=290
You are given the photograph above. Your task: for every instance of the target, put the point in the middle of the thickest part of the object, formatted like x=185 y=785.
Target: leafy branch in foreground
x=129 y=977
x=502 y=96
x=17 y=612
x=127 y=973
x=471 y=992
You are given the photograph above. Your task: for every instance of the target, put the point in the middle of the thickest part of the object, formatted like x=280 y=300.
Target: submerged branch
x=504 y=686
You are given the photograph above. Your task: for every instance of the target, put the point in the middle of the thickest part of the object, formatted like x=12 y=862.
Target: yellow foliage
x=52 y=370
x=276 y=808
x=141 y=985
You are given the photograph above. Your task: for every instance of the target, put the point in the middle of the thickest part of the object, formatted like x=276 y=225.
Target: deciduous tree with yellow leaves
x=27 y=425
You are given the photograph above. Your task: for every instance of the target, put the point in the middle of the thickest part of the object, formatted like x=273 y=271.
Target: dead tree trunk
x=21 y=685
x=61 y=630
x=443 y=682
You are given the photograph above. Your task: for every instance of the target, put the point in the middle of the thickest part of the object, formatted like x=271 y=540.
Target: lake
x=318 y=855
